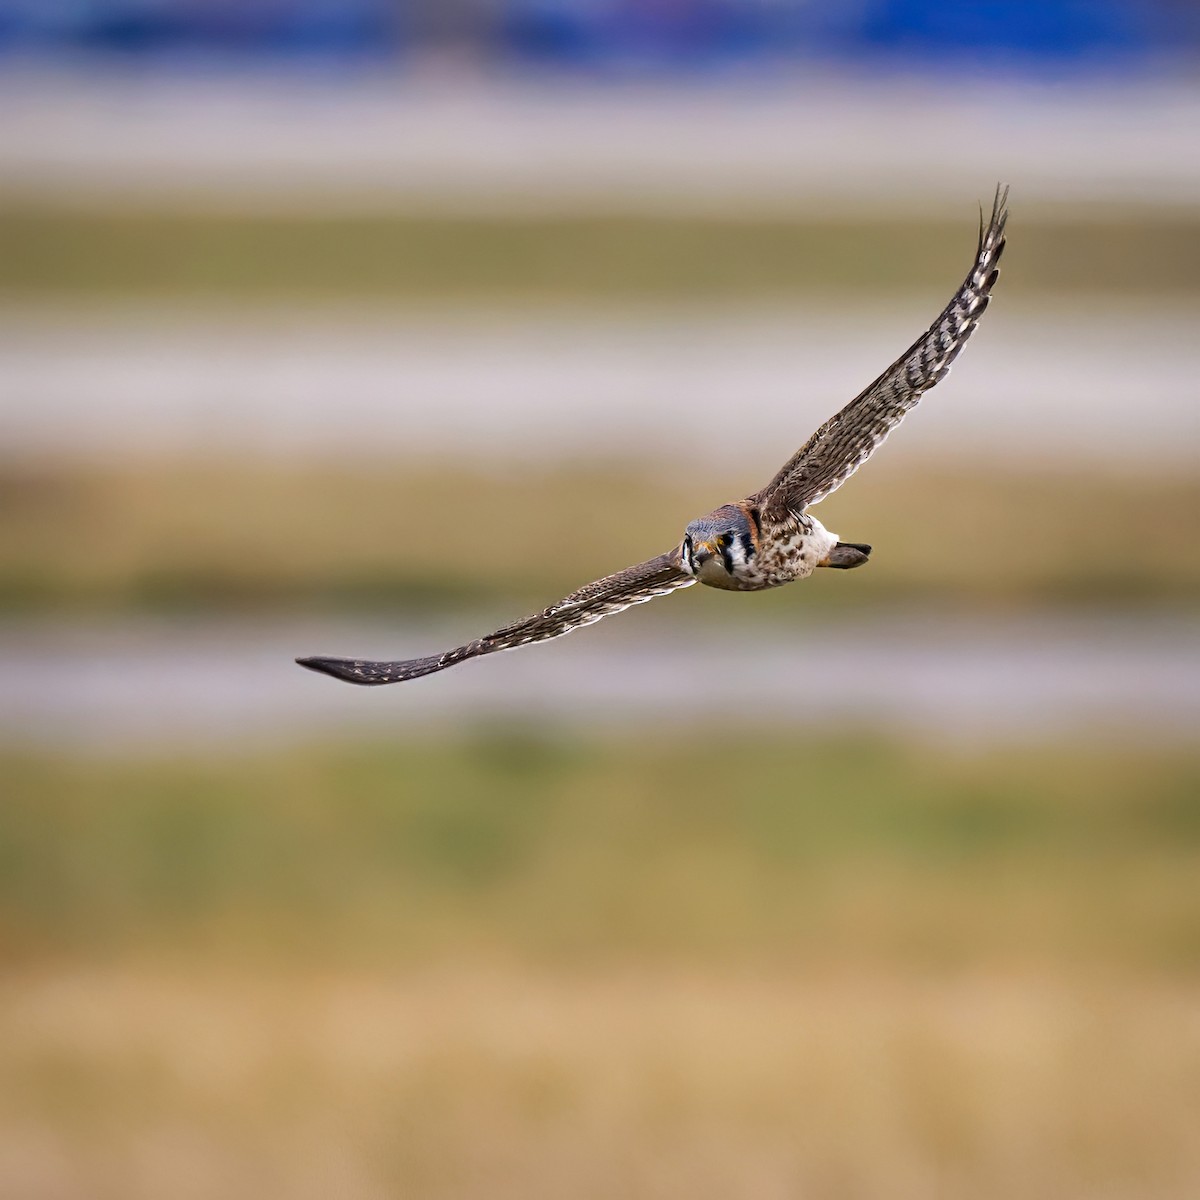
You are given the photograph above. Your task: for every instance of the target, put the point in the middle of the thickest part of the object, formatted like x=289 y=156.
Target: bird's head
x=717 y=547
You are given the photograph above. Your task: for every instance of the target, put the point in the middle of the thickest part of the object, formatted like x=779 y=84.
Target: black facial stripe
x=727 y=559
x=747 y=543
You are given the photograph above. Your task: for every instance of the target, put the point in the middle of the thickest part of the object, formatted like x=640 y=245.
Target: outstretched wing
x=848 y=439
x=613 y=594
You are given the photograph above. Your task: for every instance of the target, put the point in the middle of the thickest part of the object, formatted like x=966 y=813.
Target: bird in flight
x=769 y=538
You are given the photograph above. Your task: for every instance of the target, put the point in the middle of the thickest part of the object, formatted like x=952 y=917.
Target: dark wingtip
x=314 y=664
x=373 y=674
x=341 y=668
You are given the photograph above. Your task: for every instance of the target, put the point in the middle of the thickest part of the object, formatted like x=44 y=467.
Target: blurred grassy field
x=134 y=1085
x=504 y=964
x=47 y=250
x=193 y=536
x=582 y=850
x=508 y=966
x=172 y=535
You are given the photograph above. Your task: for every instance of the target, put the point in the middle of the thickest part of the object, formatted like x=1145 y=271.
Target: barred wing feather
x=848 y=439
x=613 y=594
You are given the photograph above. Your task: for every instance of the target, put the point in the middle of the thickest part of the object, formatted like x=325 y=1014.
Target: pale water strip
x=1108 y=384
x=151 y=685
x=461 y=142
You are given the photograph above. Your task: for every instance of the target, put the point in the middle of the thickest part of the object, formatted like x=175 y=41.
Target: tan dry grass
x=49 y=250
x=171 y=534
x=472 y=1082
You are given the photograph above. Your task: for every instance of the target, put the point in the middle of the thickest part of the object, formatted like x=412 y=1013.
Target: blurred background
x=366 y=326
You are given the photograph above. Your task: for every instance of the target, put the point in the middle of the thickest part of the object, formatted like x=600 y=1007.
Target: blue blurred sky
x=623 y=36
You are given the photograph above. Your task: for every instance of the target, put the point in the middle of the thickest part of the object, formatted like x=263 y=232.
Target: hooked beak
x=702 y=552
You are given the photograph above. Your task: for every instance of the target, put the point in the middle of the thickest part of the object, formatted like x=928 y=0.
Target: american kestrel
x=769 y=538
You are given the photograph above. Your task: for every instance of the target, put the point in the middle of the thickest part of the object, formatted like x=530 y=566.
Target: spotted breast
x=792 y=551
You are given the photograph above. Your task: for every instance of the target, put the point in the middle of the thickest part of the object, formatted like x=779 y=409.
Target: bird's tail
x=845 y=556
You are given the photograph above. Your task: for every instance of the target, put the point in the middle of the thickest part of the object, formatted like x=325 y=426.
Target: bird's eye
x=724 y=540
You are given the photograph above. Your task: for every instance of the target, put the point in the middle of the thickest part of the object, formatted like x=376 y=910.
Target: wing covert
x=613 y=594
x=850 y=437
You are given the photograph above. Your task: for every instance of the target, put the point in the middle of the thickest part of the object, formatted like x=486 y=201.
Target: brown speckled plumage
x=770 y=538
x=850 y=437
